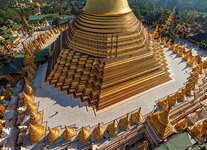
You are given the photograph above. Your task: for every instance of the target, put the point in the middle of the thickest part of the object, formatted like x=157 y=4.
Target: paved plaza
x=60 y=109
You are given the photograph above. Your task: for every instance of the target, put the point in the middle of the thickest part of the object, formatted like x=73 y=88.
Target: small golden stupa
x=98 y=133
x=112 y=129
x=160 y=123
x=27 y=98
x=35 y=117
x=137 y=117
x=37 y=133
x=84 y=136
x=69 y=134
x=53 y=135
x=124 y=123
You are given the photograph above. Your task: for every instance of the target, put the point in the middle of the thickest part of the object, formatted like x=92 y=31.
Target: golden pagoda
x=53 y=135
x=69 y=134
x=160 y=123
x=112 y=129
x=106 y=56
x=36 y=133
x=137 y=117
x=35 y=117
x=98 y=132
x=125 y=122
x=84 y=136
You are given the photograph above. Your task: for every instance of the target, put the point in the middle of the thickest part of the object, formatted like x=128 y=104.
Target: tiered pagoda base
x=106 y=59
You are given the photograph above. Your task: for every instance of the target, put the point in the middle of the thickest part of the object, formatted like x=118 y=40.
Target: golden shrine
x=106 y=56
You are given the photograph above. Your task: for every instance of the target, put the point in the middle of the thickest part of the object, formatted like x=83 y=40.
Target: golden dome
x=125 y=123
x=84 y=136
x=35 y=117
x=31 y=107
x=69 y=134
x=137 y=117
x=112 y=129
x=53 y=135
x=107 y=7
x=36 y=133
x=98 y=132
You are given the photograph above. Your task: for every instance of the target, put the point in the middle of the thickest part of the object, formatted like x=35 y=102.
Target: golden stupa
x=53 y=135
x=112 y=129
x=98 y=132
x=160 y=123
x=84 y=136
x=36 y=133
x=106 y=56
x=69 y=134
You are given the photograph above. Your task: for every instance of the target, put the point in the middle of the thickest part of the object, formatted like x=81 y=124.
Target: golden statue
x=53 y=135
x=137 y=117
x=125 y=123
x=160 y=123
x=98 y=132
x=84 y=136
x=112 y=129
x=37 y=133
x=69 y=134
x=35 y=117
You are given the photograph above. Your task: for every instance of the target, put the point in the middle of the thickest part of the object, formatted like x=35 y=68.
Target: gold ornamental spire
x=35 y=117
x=137 y=117
x=53 y=135
x=27 y=98
x=125 y=123
x=29 y=88
x=84 y=136
x=36 y=133
x=69 y=134
x=112 y=129
x=31 y=107
x=107 y=7
x=98 y=133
